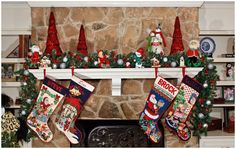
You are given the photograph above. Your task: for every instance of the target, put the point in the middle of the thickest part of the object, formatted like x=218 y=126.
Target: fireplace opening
x=114 y=133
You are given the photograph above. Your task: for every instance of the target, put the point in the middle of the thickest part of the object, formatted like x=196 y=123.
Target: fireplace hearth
x=114 y=133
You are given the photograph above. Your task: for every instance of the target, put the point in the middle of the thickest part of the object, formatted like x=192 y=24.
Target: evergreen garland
x=200 y=117
x=28 y=96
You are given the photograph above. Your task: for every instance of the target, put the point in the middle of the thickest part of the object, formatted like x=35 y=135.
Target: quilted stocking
x=182 y=106
x=49 y=97
x=80 y=91
x=159 y=99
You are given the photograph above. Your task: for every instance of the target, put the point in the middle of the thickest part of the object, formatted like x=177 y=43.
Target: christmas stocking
x=49 y=97
x=159 y=99
x=79 y=92
x=182 y=106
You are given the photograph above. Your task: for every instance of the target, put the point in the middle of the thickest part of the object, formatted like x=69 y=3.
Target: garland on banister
x=28 y=96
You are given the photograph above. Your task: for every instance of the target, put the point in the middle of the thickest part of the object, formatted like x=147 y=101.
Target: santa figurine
x=192 y=52
x=102 y=60
x=157 y=41
x=138 y=58
x=35 y=54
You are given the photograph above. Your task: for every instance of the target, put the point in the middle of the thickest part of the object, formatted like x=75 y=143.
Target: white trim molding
x=25 y=31
x=121 y=3
x=116 y=74
x=13 y=60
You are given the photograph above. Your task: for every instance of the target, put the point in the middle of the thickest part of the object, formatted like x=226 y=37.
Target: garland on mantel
x=70 y=59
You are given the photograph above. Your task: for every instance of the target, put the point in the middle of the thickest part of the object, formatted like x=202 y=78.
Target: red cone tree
x=177 y=43
x=82 y=46
x=52 y=40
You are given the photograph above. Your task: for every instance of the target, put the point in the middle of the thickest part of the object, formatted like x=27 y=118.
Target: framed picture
x=8 y=72
x=219 y=99
x=228 y=94
x=230 y=45
x=219 y=92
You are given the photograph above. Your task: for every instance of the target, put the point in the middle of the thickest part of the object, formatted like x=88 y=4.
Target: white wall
x=16 y=18
x=217 y=16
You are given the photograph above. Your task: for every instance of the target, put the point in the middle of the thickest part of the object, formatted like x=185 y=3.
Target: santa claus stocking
x=79 y=92
x=159 y=99
x=182 y=106
x=49 y=97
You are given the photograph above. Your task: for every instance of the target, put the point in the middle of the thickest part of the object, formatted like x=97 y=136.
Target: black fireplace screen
x=114 y=133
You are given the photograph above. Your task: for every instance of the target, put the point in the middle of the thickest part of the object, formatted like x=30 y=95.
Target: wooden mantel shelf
x=115 y=74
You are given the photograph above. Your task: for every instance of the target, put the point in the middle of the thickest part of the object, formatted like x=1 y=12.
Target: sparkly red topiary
x=82 y=46
x=52 y=40
x=177 y=43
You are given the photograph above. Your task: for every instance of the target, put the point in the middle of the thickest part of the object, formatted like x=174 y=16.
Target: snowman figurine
x=3 y=72
x=138 y=58
x=181 y=62
x=157 y=41
x=35 y=54
x=229 y=71
x=10 y=72
x=45 y=62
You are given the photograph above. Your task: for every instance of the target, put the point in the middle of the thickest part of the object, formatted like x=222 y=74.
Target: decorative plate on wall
x=207 y=45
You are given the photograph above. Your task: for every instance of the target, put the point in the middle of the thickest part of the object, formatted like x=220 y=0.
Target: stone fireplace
x=122 y=30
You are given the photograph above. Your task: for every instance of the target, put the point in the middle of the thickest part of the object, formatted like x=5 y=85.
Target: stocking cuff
x=80 y=89
x=55 y=86
x=192 y=83
x=83 y=83
x=165 y=88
